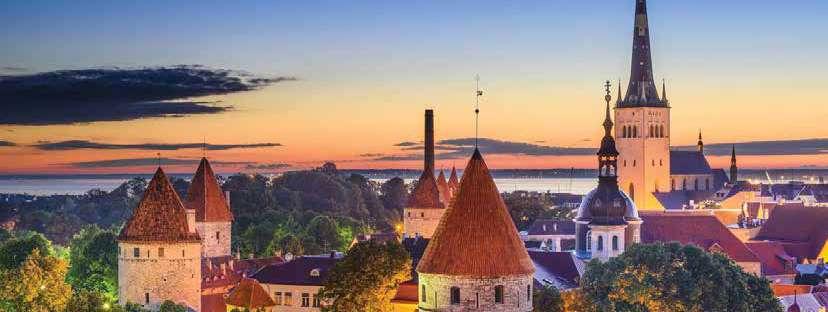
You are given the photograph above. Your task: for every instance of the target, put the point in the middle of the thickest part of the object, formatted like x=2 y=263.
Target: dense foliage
x=672 y=277
x=526 y=207
x=307 y=212
x=547 y=299
x=94 y=259
x=366 y=279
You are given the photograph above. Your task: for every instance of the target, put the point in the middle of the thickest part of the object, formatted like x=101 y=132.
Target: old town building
x=476 y=260
x=159 y=250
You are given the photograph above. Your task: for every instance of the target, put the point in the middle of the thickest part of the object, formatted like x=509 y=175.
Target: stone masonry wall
x=420 y=221
x=211 y=245
x=175 y=275
x=476 y=294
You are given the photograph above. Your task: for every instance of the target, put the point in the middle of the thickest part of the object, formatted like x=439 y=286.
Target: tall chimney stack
x=429 y=141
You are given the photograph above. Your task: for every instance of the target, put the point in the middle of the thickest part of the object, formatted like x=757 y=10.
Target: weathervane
x=477 y=96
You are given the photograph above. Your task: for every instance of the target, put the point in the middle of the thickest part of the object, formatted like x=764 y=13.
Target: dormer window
x=314 y=273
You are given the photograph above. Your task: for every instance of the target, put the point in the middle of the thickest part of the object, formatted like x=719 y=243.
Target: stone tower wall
x=175 y=275
x=644 y=161
x=421 y=221
x=476 y=294
x=213 y=246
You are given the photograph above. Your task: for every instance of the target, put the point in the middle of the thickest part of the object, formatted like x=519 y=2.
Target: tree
x=672 y=277
x=325 y=233
x=94 y=259
x=367 y=277
x=169 y=306
x=16 y=250
x=89 y=301
x=37 y=285
x=394 y=194
x=547 y=299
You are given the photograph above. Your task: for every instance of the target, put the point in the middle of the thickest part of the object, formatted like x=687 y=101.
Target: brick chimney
x=428 y=166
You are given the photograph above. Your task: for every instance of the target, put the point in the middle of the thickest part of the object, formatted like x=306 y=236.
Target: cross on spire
x=478 y=93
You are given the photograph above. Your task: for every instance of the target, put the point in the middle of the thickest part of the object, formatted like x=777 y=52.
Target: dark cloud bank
x=461 y=148
x=149 y=161
x=83 y=144
x=89 y=95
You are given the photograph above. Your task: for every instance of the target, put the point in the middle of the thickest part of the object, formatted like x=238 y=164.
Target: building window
x=635 y=131
x=422 y=215
x=218 y=235
x=455 y=295
x=672 y=184
x=614 y=242
x=529 y=293
x=160 y=252
x=707 y=184
x=277 y=298
x=684 y=184
x=305 y=299
x=136 y=252
x=661 y=131
x=146 y=298
x=695 y=184
x=625 y=162
x=499 y=294
x=409 y=214
x=423 y=296
x=653 y=161
x=288 y=299
x=316 y=301
x=600 y=243
x=624 y=132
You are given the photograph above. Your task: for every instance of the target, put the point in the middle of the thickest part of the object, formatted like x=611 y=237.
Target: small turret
x=734 y=170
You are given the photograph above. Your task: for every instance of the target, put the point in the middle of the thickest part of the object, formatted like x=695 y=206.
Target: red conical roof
x=443 y=187
x=426 y=194
x=453 y=182
x=476 y=236
x=160 y=216
x=206 y=197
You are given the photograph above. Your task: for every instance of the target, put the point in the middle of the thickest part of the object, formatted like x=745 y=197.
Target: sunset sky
x=348 y=81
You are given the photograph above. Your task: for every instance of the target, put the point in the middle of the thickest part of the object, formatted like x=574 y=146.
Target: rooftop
x=160 y=216
x=476 y=236
x=704 y=231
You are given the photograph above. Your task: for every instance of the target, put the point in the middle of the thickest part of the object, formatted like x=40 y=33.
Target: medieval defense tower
x=159 y=251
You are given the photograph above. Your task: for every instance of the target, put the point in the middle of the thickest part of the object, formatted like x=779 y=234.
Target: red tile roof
x=476 y=236
x=774 y=259
x=213 y=303
x=206 y=197
x=407 y=292
x=453 y=182
x=704 y=231
x=249 y=294
x=443 y=187
x=797 y=224
x=780 y=290
x=160 y=216
x=426 y=194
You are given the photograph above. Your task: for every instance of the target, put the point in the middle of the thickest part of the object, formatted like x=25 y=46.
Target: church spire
x=734 y=170
x=641 y=90
x=700 y=143
x=607 y=154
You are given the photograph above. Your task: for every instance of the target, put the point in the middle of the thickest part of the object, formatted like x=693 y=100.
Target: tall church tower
x=643 y=124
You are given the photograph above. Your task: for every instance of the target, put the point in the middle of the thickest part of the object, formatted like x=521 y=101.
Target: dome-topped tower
x=602 y=223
